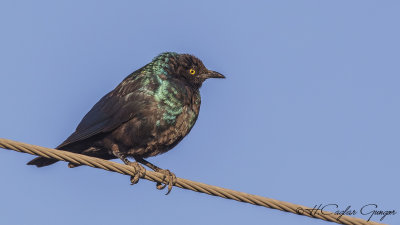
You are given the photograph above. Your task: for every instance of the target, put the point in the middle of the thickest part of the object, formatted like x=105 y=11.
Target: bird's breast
x=173 y=99
x=169 y=115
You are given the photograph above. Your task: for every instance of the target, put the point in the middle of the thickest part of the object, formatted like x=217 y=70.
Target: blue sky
x=309 y=112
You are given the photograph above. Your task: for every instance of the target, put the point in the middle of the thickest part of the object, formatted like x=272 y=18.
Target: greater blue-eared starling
x=147 y=114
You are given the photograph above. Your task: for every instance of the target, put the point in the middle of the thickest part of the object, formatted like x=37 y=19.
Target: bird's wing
x=114 y=109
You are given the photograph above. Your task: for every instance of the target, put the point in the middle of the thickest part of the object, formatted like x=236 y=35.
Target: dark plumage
x=147 y=114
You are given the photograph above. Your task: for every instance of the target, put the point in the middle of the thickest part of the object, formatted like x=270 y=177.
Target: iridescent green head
x=185 y=67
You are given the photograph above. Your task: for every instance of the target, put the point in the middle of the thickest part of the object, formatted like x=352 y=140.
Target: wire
x=183 y=183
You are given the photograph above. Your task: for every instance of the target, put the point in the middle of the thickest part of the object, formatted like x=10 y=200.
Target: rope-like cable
x=183 y=183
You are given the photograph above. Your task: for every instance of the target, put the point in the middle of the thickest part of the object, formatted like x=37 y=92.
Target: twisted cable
x=183 y=183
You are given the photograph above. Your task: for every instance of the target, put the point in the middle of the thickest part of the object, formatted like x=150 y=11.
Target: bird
x=147 y=114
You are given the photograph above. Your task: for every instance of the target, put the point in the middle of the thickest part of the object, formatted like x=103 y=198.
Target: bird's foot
x=140 y=172
x=72 y=165
x=169 y=177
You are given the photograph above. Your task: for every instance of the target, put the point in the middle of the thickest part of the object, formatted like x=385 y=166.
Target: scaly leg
x=140 y=170
x=168 y=175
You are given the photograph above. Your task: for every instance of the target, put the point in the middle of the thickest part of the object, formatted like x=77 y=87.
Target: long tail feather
x=42 y=161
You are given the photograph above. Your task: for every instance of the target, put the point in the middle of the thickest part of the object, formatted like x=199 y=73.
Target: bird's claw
x=72 y=165
x=140 y=172
x=170 y=179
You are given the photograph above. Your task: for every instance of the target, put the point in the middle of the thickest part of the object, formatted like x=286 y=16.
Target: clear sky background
x=309 y=112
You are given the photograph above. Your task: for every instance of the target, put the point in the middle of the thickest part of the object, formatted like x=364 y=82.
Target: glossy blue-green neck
x=160 y=63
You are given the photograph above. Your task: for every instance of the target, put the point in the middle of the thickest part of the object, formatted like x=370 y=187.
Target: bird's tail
x=42 y=161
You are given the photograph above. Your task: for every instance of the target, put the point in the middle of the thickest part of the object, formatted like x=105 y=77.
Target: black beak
x=212 y=74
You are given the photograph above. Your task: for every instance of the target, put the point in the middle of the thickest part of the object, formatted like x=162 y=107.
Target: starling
x=147 y=114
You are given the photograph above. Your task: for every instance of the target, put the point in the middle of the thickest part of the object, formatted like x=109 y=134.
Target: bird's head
x=187 y=68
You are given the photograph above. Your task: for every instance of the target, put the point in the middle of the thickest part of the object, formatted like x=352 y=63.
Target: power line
x=183 y=183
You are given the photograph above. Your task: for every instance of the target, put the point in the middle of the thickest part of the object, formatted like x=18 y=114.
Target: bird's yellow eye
x=192 y=71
